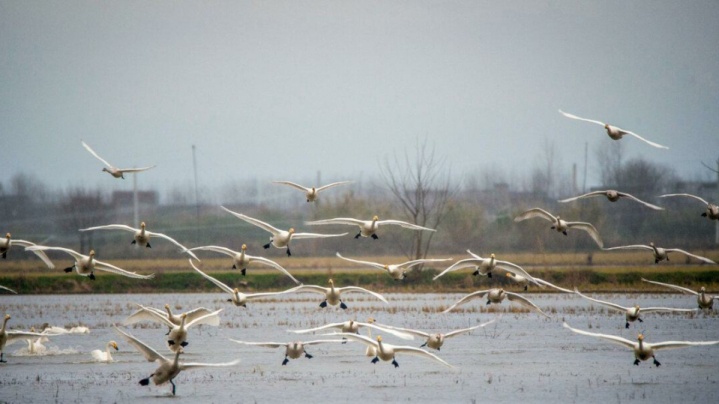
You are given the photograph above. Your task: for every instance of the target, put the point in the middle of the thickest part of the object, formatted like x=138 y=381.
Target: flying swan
x=613 y=132
x=333 y=295
x=293 y=350
x=368 y=228
x=396 y=271
x=660 y=254
x=497 y=295
x=242 y=260
x=86 y=265
x=112 y=170
x=561 y=225
x=141 y=236
x=613 y=196
x=436 y=340
x=387 y=352
x=8 y=242
x=311 y=193
x=712 y=212
x=704 y=301
x=485 y=266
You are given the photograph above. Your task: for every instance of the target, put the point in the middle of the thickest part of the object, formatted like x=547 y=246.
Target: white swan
x=368 y=228
x=614 y=132
x=660 y=254
x=143 y=314
x=642 y=350
x=293 y=350
x=561 y=225
x=8 y=242
x=62 y=331
x=8 y=337
x=497 y=295
x=311 y=193
x=388 y=352
x=333 y=295
x=280 y=238
x=521 y=280
x=167 y=369
x=712 y=212
x=177 y=338
x=633 y=313
x=141 y=236
x=8 y=289
x=396 y=271
x=242 y=260
x=104 y=356
x=86 y=265
x=35 y=344
x=436 y=340
x=354 y=326
x=613 y=196
x=236 y=297
x=112 y=170
x=485 y=266
x=704 y=301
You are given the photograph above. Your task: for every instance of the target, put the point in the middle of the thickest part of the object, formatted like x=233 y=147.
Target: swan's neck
x=4 y=323
x=176 y=362
x=169 y=313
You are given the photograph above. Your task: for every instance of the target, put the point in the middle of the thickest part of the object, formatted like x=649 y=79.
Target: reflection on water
x=522 y=357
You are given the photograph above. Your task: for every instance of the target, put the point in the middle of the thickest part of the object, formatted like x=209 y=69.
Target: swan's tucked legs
x=375 y=237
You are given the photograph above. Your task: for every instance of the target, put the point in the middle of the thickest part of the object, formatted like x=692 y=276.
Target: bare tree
x=609 y=157
x=422 y=185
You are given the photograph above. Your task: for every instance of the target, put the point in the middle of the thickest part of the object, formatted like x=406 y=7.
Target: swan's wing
x=680 y=344
x=357 y=289
x=324 y=327
x=104 y=266
x=357 y=337
x=461 y=264
x=194 y=365
x=517 y=298
x=255 y=296
x=703 y=259
x=587 y=195
x=667 y=309
x=312 y=288
x=199 y=312
x=39 y=253
x=675 y=287
x=474 y=295
x=292 y=184
x=634 y=198
x=372 y=264
x=8 y=289
x=410 y=350
x=610 y=338
x=551 y=285
x=112 y=227
x=95 y=154
x=262 y=344
x=135 y=170
x=630 y=247
x=466 y=330
x=410 y=264
x=602 y=302
x=150 y=354
x=589 y=229
x=404 y=224
x=396 y=331
x=321 y=341
x=215 y=248
x=338 y=220
x=580 y=119
x=173 y=241
x=209 y=319
x=517 y=270
x=148 y=314
x=688 y=195
x=14 y=335
x=474 y=255
x=74 y=254
x=334 y=184
x=213 y=280
x=657 y=145
x=299 y=236
x=535 y=212
x=272 y=264
x=253 y=221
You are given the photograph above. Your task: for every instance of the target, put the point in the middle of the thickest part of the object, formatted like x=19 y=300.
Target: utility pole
x=584 y=181
x=197 y=195
x=135 y=204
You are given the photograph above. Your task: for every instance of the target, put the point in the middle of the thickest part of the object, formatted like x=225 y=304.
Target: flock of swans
x=177 y=337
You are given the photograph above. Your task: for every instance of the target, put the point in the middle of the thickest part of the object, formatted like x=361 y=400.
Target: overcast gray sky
x=282 y=89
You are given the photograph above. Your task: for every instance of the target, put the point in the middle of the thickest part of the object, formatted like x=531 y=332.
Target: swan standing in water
x=8 y=242
x=279 y=238
x=8 y=337
x=387 y=352
x=354 y=326
x=497 y=295
x=333 y=294
x=561 y=225
x=86 y=265
x=704 y=301
x=642 y=350
x=112 y=170
x=396 y=271
x=436 y=340
x=485 y=266
x=241 y=259
x=614 y=132
x=167 y=369
x=712 y=212
x=293 y=350
x=143 y=314
x=368 y=228
x=311 y=193
x=237 y=298
x=633 y=313
x=141 y=236
x=613 y=196
x=660 y=254
x=104 y=356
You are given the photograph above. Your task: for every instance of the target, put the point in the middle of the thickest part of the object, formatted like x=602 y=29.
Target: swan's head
x=491 y=255
x=386 y=267
x=291 y=230
x=236 y=290
x=651 y=244
x=509 y=275
x=106 y=170
x=606 y=126
x=7 y=317
x=375 y=218
x=702 y=289
x=331 y=282
x=167 y=307
x=640 y=337
x=114 y=345
x=244 y=247
x=92 y=253
x=142 y=225
x=371 y=320
x=7 y=236
x=636 y=307
x=379 y=338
